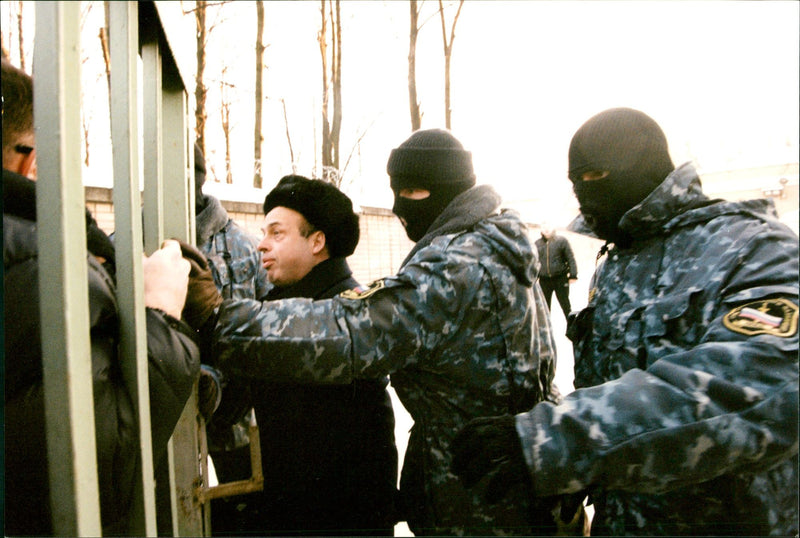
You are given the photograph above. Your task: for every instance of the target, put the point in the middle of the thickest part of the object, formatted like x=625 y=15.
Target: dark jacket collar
x=19 y=196
x=19 y=199
x=466 y=210
x=211 y=220
x=317 y=283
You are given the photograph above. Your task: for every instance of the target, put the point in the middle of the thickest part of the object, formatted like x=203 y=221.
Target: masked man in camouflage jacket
x=686 y=359
x=462 y=329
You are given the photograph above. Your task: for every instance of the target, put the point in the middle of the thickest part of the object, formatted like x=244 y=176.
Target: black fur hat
x=324 y=206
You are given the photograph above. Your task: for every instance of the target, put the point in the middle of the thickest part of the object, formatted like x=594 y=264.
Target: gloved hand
x=489 y=448
x=203 y=296
x=209 y=391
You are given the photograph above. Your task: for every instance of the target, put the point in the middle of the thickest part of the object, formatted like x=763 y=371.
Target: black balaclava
x=199 y=179
x=632 y=148
x=434 y=160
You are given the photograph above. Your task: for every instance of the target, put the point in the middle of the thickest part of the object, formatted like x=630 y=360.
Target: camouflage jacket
x=462 y=329
x=686 y=363
x=235 y=264
x=232 y=254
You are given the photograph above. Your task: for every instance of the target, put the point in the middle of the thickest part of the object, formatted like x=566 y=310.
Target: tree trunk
x=288 y=136
x=336 y=127
x=322 y=38
x=448 y=52
x=225 y=113
x=200 y=90
x=416 y=116
x=331 y=120
x=106 y=50
x=21 y=40
x=258 y=137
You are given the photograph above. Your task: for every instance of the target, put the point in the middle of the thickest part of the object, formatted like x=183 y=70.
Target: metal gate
x=137 y=30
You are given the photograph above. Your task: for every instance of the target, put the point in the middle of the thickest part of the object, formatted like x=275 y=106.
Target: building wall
x=381 y=250
x=778 y=182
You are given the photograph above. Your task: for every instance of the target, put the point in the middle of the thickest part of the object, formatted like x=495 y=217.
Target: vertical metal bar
x=188 y=516
x=66 y=352
x=152 y=125
x=124 y=35
x=178 y=161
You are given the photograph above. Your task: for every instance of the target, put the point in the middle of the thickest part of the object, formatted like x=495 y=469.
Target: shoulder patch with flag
x=767 y=316
x=362 y=293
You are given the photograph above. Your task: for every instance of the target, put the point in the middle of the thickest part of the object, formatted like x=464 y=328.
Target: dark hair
x=17 y=88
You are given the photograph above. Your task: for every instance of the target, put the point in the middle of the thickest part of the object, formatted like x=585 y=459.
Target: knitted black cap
x=621 y=139
x=429 y=158
x=324 y=206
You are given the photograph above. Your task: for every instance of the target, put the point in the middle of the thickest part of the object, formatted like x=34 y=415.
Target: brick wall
x=383 y=245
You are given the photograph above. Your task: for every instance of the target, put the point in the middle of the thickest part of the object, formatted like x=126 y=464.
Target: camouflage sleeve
x=366 y=334
x=296 y=340
x=726 y=405
x=248 y=244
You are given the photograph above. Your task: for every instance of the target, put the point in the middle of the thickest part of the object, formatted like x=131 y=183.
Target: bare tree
x=200 y=89
x=8 y=39
x=103 y=35
x=86 y=110
x=288 y=136
x=225 y=112
x=20 y=36
x=331 y=84
x=416 y=115
x=258 y=136
x=203 y=32
x=448 y=51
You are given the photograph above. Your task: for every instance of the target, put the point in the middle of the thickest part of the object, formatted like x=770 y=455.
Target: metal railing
x=136 y=33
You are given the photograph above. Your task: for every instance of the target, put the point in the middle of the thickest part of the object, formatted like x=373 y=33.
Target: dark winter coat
x=685 y=421
x=328 y=452
x=173 y=365
x=556 y=257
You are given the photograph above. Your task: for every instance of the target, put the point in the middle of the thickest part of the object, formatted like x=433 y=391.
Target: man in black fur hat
x=328 y=452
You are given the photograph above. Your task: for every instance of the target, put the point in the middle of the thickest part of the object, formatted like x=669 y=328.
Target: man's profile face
x=290 y=247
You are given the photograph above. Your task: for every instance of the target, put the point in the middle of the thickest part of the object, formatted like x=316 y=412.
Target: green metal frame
x=136 y=32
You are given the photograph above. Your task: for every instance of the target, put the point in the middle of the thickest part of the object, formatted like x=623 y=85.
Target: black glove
x=489 y=448
x=203 y=296
x=209 y=391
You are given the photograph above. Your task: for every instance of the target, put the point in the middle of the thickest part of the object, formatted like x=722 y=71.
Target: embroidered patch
x=361 y=293
x=768 y=316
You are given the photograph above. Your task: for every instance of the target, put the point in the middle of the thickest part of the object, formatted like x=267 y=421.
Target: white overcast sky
x=721 y=77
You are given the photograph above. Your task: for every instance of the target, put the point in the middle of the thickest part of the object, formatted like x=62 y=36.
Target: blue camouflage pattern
x=232 y=254
x=681 y=424
x=463 y=331
x=235 y=264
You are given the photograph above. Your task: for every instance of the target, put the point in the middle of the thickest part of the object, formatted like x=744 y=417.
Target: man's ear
x=318 y=241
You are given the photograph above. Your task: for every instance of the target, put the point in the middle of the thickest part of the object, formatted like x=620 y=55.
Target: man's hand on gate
x=203 y=296
x=489 y=449
x=166 y=277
